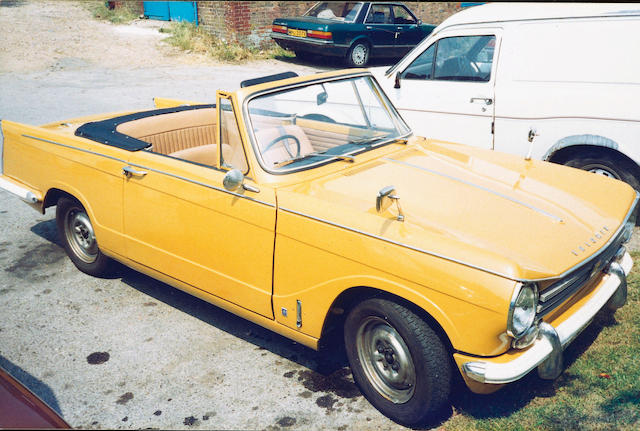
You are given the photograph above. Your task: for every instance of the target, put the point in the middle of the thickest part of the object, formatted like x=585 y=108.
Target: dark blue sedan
x=356 y=31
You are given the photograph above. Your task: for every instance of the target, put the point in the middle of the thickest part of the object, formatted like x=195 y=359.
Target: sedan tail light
x=279 y=28
x=326 y=35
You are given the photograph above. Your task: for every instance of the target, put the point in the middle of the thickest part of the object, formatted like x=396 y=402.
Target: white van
x=559 y=82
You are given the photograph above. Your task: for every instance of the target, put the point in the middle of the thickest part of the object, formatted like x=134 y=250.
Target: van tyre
x=358 y=55
x=78 y=238
x=608 y=165
x=398 y=361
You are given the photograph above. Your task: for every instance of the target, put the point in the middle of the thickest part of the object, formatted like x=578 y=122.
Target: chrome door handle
x=485 y=100
x=128 y=171
x=369 y=27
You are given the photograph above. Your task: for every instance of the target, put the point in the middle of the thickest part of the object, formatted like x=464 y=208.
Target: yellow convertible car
x=306 y=205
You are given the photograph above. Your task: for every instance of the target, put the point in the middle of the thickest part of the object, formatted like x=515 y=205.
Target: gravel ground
x=128 y=352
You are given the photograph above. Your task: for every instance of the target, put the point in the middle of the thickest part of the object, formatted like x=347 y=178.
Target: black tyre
x=358 y=55
x=398 y=361
x=78 y=238
x=608 y=165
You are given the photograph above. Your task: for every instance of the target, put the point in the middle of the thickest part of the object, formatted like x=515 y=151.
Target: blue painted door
x=157 y=10
x=183 y=11
x=171 y=10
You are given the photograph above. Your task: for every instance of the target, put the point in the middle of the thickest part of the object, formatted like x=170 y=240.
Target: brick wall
x=249 y=22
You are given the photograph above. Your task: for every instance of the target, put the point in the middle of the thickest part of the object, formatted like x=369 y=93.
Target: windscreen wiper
x=349 y=159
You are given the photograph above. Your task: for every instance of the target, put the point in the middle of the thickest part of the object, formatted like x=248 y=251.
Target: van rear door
x=447 y=92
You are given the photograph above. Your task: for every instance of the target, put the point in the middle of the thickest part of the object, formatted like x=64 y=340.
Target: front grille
x=560 y=291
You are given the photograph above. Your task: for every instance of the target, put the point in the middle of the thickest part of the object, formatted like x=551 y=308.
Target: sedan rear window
x=336 y=10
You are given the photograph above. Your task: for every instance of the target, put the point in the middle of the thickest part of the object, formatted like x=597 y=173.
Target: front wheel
x=358 y=55
x=397 y=360
x=78 y=238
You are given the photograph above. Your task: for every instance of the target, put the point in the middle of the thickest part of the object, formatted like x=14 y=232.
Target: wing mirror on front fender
x=384 y=200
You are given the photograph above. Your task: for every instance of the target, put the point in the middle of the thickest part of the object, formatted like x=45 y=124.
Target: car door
x=380 y=30
x=181 y=221
x=408 y=32
x=447 y=92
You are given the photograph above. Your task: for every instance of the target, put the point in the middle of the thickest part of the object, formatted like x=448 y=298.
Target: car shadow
x=326 y=367
x=327 y=370
x=38 y=387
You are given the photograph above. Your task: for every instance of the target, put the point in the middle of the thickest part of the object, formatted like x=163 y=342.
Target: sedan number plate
x=299 y=33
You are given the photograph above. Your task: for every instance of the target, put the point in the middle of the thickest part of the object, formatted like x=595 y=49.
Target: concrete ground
x=129 y=352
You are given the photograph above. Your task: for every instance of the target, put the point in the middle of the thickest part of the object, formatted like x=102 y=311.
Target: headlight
x=522 y=311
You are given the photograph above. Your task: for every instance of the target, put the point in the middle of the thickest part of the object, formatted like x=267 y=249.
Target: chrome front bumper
x=546 y=352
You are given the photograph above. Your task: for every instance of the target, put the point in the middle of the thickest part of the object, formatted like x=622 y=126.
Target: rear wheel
x=397 y=360
x=78 y=238
x=358 y=55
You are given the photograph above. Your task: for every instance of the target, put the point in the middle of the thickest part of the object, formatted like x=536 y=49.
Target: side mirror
x=384 y=200
x=397 y=83
x=419 y=22
x=232 y=181
x=321 y=98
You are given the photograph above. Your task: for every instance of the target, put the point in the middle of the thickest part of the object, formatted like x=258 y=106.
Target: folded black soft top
x=105 y=131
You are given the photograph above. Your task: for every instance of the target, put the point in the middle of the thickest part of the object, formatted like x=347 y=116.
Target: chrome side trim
x=209 y=186
x=75 y=148
x=470 y=265
x=390 y=241
x=550 y=343
x=154 y=170
x=516 y=201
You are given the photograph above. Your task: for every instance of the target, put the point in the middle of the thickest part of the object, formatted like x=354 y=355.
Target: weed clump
x=188 y=37
x=125 y=13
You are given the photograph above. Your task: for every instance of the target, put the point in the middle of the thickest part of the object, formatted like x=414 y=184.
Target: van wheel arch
x=593 y=158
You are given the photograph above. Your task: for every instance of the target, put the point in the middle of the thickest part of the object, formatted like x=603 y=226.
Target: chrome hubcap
x=80 y=235
x=601 y=170
x=386 y=360
x=359 y=54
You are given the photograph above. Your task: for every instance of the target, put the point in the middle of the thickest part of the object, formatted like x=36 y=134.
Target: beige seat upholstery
x=278 y=153
x=204 y=154
x=190 y=135
x=168 y=133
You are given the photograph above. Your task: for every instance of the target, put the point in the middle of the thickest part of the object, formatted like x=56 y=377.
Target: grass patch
x=120 y=15
x=598 y=390
x=188 y=37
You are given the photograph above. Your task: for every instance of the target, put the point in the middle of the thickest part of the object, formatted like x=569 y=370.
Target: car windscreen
x=321 y=123
x=340 y=11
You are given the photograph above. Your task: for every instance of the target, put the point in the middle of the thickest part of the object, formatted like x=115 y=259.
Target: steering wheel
x=285 y=138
